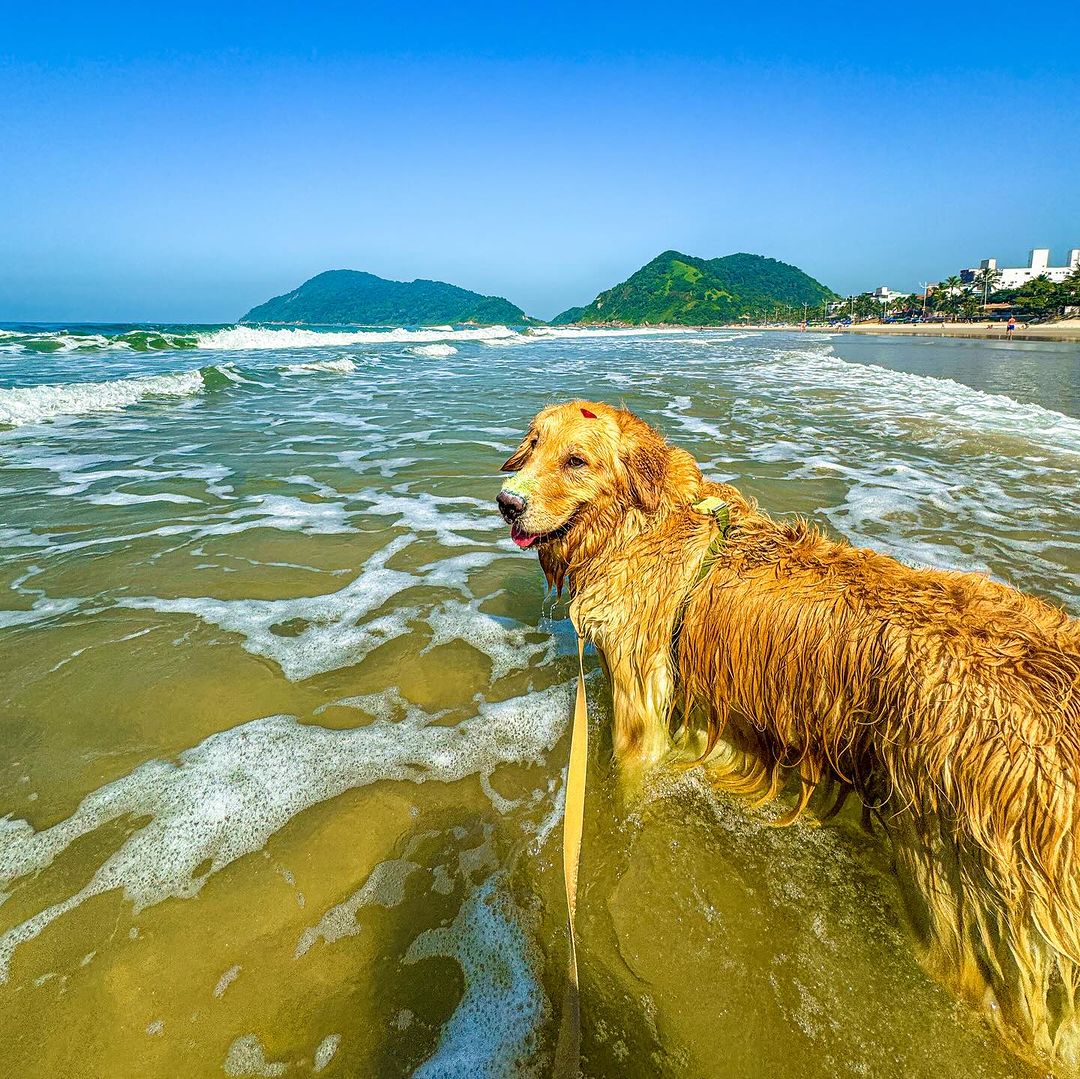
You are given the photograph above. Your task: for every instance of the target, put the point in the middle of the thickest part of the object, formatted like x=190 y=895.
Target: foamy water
x=285 y=710
x=32 y=404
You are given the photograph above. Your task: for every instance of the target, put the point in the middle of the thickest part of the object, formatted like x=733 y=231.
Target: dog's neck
x=571 y=560
x=574 y=559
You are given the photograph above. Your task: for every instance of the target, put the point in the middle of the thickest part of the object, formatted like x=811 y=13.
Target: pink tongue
x=522 y=539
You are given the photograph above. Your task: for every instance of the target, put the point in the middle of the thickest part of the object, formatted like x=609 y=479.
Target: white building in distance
x=1016 y=276
x=884 y=294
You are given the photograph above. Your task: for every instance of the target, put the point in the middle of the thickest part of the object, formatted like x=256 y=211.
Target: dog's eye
x=573 y=461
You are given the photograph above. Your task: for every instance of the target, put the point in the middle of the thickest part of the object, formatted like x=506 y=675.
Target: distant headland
x=351 y=297
x=680 y=290
x=672 y=289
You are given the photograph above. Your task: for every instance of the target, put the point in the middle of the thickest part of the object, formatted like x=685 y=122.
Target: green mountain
x=571 y=314
x=353 y=297
x=683 y=290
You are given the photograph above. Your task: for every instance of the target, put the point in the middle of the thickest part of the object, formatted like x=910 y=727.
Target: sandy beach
x=1066 y=330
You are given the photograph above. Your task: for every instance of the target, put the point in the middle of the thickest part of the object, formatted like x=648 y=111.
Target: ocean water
x=284 y=713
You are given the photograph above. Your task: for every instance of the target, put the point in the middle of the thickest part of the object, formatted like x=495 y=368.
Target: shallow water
x=1045 y=373
x=284 y=711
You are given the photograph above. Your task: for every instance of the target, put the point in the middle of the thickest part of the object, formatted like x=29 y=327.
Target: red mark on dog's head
x=588 y=415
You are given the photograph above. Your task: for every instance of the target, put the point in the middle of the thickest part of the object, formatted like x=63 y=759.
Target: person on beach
x=1010 y=326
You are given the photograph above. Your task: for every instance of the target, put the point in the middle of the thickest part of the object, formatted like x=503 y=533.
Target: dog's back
x=950 y=703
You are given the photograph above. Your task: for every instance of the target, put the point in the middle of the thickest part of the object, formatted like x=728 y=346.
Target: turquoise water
x=284 y=710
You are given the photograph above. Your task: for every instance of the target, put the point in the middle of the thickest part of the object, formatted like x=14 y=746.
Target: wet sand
x=1066 y=330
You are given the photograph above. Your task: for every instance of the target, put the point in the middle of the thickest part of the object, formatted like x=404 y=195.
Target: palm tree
x=911 y=305
x=950 y=289
x=1072 y=286
x=987 y=277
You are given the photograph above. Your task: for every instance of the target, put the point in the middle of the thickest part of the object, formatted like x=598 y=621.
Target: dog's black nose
x=510 y=506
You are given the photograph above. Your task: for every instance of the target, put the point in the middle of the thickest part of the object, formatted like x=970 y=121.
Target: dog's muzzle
x=511 y=506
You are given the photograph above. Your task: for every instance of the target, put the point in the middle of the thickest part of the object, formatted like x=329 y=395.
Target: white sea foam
x=61 y=341
x=945 y=400
x=245 y=338
x=581 y=333
x=341 y=366
x=281 y=512
x=920 y=459
x=503 y=641
x=494 y=1031
x=290 y=514
x=226 y=980
x=384 y=887
x=820 y=384
x=226 y=796
x=309 y=635
x=247 y=1057
x=21 y=405
x=123 y=498
x=428 y=513
x=326 y=1050
x=77 y=472
x=42 y=609
x=433 y=350
x=64 y=341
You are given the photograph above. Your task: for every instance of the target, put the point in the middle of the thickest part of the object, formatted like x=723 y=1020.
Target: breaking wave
x=436 y=350
x=341 y=366
x=242 y=338
x=21 y=405
x=92 y=339
x=572 y=333
x=44 y=342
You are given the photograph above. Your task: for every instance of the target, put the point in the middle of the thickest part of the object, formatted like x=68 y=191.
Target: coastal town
x=1039 y=300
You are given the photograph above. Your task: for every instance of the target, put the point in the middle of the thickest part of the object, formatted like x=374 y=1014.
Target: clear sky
x=186 y=161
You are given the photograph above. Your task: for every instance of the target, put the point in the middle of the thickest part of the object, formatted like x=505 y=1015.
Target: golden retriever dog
x=948 y=703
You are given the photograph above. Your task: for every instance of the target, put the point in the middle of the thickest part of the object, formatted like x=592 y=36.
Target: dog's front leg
x=641 y=702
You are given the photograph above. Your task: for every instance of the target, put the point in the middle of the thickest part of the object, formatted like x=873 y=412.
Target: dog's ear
x=645 y=457
x=517 y=459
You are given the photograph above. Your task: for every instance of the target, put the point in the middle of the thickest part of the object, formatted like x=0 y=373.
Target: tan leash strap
x=568 y=1050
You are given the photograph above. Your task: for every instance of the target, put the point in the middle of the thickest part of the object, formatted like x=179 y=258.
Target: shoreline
x=1067 y=330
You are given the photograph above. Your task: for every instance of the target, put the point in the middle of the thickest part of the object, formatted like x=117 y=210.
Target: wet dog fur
x=948 y=703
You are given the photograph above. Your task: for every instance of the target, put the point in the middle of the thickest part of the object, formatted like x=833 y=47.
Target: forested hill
x=683 y=290
x=357 y=298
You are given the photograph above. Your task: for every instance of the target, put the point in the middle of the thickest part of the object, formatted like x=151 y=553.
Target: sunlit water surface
x=284 y=711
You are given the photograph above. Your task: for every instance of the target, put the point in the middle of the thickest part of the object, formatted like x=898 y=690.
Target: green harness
x=718 y=510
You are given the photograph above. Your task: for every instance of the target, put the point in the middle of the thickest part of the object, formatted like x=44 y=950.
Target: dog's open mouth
x=522 y=538
x=525 y=539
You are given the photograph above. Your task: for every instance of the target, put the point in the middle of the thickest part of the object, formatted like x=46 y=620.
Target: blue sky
x=185 y=164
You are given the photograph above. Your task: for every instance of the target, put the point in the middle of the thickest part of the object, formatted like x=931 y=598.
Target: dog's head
x=583 y=466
